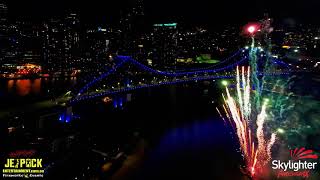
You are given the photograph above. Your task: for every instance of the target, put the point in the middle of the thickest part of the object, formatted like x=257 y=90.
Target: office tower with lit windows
x=61 y=43
x=95 y=47
x=164 y=44
x=52 y=45
x=3 y=14
x=71 y=41
x=132 y=28
x=4 y=39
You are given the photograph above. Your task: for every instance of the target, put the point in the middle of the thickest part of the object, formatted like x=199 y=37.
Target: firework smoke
x=256 y=150
x=255 y=75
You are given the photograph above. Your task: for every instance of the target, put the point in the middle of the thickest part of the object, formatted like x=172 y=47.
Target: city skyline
x=203 y=12
x=67 y=43
x=141 y=89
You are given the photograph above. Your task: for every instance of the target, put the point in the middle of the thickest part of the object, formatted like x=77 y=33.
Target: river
x=183 y=132
x=24 y=91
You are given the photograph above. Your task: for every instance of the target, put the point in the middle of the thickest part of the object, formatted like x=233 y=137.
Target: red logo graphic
x=301 y=164
x=302 y=153
x=22 y=153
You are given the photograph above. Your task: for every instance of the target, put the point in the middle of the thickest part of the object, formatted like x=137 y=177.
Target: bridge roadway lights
x=152 y=85
x=164 y=83
x=125 y=59
x=144 y=67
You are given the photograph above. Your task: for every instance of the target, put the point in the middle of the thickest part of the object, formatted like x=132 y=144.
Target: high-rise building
x=125 y=32
x=138 y=8
x=3 y=13
x=95 y=46
x=52 y=45
x=164 y=44
x=4 y=38
x=26 y=41
x=61 y=45
x=138 y=17
x=132 y=27
x=71 y=41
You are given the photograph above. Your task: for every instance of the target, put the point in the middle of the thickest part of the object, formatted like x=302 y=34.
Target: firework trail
x=268 y=65
x=255 y=75
x=256 y=150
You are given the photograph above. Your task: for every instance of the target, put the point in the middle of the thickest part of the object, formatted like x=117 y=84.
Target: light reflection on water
x=202 y=149
x=10 y=85
x=36 y=86
x=25 y=87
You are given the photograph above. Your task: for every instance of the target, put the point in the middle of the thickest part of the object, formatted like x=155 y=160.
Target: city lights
x=90 y=86
x=183 y=75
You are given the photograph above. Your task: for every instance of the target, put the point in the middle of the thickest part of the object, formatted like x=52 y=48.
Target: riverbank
x=34 y=107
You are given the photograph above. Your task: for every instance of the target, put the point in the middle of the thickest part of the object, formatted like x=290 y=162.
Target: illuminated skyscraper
x=71 y=41
x=3 y=30
x=164 y=44
x=3 y=13
x=61 y=47
x=132 y=27
x=138 y=8
x=95 y=45
x=52 y=45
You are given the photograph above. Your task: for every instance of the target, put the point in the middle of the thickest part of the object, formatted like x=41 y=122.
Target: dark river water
x=185 y=136
x=14 y=92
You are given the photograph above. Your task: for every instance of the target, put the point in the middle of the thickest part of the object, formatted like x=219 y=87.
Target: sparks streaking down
x=256 y=149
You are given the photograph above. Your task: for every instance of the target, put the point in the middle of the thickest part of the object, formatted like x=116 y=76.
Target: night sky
x=211 y=12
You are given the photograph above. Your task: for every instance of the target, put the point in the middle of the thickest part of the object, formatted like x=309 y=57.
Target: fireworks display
x=255 y=148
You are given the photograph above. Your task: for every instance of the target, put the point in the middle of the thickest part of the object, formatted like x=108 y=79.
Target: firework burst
x=255 y=148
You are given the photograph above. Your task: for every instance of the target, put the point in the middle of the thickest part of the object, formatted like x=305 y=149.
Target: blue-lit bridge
x=128 y=74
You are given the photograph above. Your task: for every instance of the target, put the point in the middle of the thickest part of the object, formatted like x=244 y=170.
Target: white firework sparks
x=239 y=114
